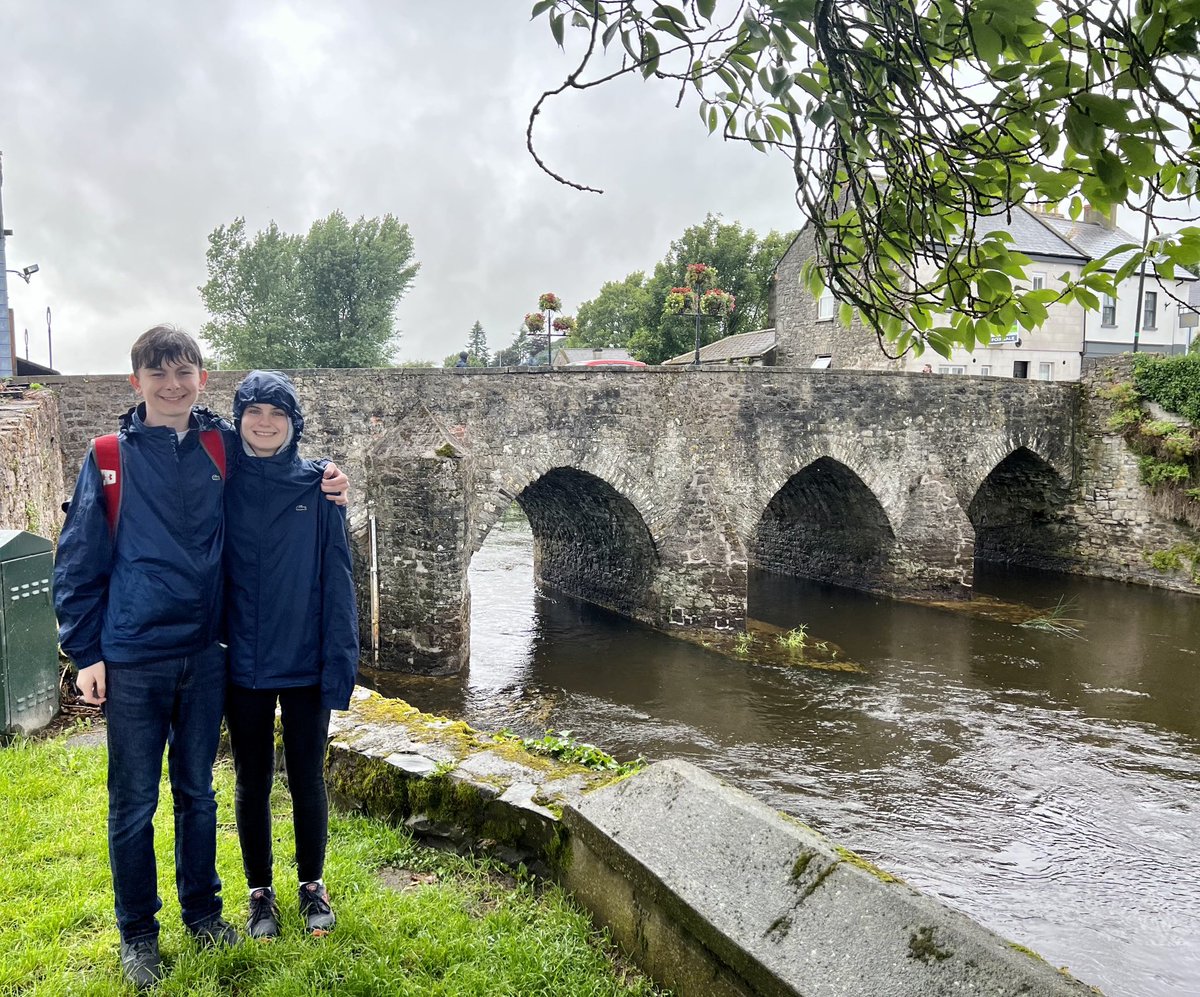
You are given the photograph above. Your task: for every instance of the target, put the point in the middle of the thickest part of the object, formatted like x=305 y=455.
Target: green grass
x=456 y=927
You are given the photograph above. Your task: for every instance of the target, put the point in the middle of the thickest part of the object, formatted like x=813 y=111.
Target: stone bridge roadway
x=652 y=492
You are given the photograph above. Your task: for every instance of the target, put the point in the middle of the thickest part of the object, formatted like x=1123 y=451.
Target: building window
x=1150 y=310
x=1039 y=281
x=1045 y=372
x=826 y=307
x=1021 y=368
x=821 y=361
x=985 y=370
x=1108 y=311
x=951 y=369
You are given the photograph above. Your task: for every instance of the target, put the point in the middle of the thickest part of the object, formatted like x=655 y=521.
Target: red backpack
x=106 y=451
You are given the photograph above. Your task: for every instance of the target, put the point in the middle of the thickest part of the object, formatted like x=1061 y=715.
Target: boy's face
x=264 y=428
x=169 y=391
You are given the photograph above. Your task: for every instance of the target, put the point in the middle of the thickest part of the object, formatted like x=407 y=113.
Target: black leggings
x=250 y=714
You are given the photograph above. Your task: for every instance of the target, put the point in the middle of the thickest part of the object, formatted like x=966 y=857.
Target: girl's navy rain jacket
x=292 y=616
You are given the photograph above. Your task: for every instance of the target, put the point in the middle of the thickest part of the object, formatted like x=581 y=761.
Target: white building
x=1057 y=246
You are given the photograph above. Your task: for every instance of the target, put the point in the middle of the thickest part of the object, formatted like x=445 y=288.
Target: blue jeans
x=174 y=704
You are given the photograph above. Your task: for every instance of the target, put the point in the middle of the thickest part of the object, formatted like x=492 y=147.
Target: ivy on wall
x=1172 y=382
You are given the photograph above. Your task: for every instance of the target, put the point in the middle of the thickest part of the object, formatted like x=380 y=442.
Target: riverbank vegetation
x=1168 y=449
x=411 y=921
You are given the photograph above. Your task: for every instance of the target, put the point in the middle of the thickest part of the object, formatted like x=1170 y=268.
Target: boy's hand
x=91 y=683
x=335 y=484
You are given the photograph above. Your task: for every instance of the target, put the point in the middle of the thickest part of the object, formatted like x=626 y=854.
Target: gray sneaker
x=315 y=909
x=141 y=963
x=264 y=914
x=214 y=931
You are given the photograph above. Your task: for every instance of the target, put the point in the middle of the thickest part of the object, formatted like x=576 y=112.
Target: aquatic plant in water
x=1056 y=620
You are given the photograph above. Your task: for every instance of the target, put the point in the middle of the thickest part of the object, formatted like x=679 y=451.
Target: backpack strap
x=214 y=445
x=106 y=451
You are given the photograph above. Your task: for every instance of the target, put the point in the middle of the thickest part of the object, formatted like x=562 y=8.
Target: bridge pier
x=424 y=603
x=934 y=552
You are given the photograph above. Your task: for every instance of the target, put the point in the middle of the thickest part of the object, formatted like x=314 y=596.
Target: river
x=1044 y=784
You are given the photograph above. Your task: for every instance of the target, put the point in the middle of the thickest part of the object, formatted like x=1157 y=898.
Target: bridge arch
x=590 y=540
x=825 y=523
x=1020 y=511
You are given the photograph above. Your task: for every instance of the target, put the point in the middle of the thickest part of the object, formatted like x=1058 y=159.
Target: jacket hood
x=269 y=387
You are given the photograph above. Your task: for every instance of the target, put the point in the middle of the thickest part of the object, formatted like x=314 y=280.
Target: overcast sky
x=130 y=129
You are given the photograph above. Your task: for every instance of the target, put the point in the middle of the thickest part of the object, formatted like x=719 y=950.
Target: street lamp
x=25 y=272
x=535 y=322
x=699 y=297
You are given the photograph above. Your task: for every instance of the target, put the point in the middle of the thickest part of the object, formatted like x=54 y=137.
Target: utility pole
x=1141 y=301
x=7 y=352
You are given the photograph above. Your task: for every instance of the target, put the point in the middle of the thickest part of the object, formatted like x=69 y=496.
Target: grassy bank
x=410 y=921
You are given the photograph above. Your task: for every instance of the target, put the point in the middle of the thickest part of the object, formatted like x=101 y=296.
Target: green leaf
x=1082 y=132
x=706 y=8
x=650 y=54
x=556 y=27
x=540 y=8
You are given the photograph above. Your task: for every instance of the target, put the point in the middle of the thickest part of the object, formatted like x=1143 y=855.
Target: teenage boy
x=138 y=592
x=293 y=641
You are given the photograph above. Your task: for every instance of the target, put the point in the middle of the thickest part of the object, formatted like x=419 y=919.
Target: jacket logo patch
x=108 y=477
x=302 y=508
x=216 y=477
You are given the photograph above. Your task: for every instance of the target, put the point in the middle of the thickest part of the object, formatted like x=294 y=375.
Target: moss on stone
x=921 y=946
x=801 y=863
x=852 y=858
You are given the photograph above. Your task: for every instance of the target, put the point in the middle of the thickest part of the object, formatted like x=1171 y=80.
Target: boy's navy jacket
x=154 y=590
x=291 y=611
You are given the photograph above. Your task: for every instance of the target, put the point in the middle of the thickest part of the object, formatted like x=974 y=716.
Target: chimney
x=1098 y=216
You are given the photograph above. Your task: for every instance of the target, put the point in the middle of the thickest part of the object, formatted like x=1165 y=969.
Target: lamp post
x=25 y=272
x=699 y=297
x=548 y=304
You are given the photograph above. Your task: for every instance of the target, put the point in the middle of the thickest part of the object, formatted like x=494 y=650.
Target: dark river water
x=1048 y=786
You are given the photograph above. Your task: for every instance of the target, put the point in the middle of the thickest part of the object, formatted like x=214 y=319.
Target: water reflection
x=1046 y=786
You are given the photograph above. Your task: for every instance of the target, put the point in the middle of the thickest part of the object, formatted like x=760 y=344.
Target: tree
x=615 y=314
x=326 y=299
x=629 y=313
x=905 y=122
x=519 y=350
x=477 y=348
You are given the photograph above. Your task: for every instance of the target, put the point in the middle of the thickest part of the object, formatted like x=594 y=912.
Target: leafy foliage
x=1173 y=382
x=325 y=299
x=905 y=123
x=563 y=746
x=630 y=312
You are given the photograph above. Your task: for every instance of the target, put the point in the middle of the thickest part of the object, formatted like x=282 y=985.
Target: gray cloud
x=131 y=129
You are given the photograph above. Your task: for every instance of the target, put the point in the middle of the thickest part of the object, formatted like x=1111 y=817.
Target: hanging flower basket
x=700 y=276
x=564 y=323
x=549 y=302
x=535 y=321
x=679 y=300
x=716 y=302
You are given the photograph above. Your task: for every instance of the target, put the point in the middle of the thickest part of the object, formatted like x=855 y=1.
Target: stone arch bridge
x=653 y=492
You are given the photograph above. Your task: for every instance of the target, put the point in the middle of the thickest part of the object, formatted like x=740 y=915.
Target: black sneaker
x=141 y=963
x=264 y=914
x=214 y=931
x=315 y=909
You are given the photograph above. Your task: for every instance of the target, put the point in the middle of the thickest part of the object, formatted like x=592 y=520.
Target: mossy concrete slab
x=712 y=892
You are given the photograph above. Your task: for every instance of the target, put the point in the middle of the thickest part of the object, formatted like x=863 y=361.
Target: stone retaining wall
x=31 y=464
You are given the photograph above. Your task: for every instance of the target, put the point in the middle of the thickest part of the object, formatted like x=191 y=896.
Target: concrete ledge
x=711 y=892
x=714 y=893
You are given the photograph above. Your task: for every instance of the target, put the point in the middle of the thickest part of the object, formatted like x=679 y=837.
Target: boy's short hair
x=164 y=344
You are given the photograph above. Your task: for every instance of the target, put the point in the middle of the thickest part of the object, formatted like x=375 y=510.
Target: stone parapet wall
x=32 y=486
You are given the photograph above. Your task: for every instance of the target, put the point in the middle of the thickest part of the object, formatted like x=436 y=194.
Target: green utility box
x=28 y=633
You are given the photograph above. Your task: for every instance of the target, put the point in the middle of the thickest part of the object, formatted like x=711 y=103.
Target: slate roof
x=1031 y=235
x=745 y=344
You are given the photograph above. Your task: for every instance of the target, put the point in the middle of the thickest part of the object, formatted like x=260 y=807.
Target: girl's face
x=264 y=428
